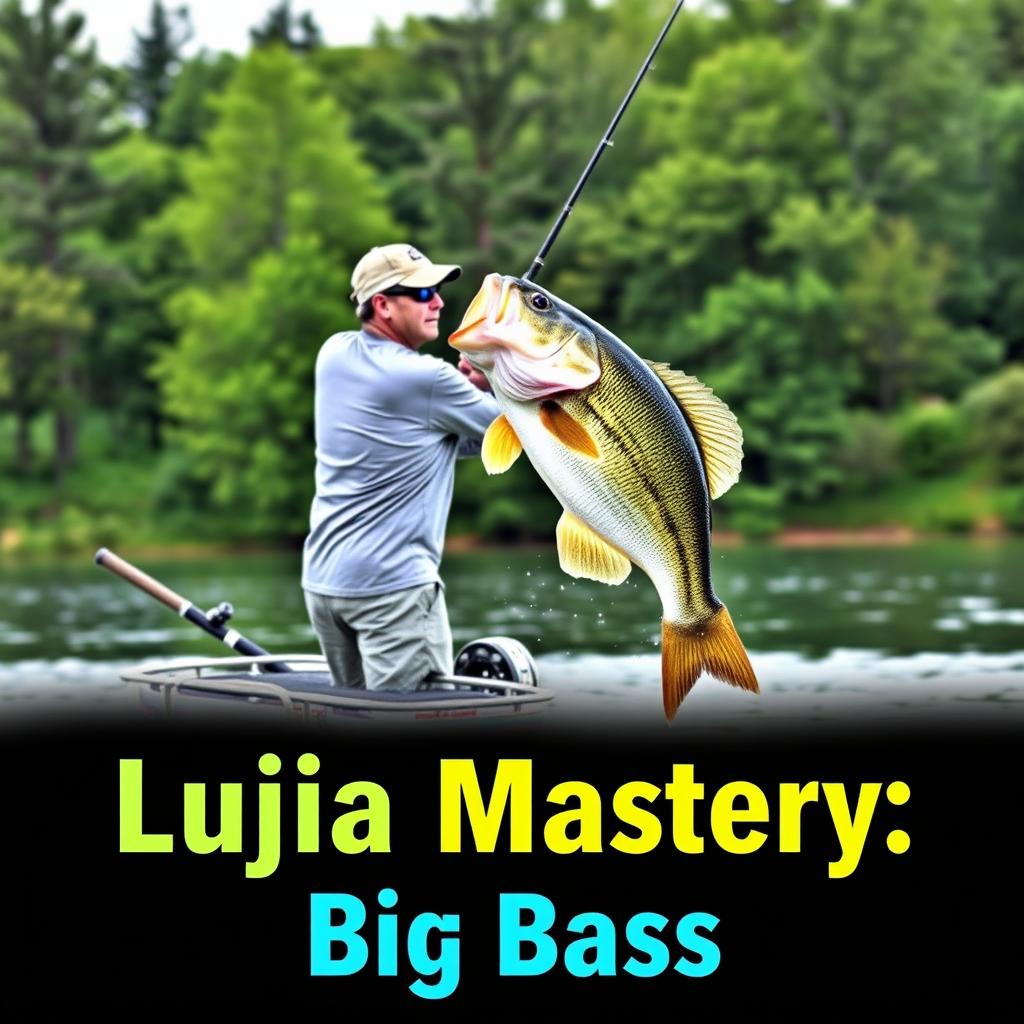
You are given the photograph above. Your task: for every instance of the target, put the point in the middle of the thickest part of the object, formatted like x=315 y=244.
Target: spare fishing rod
x=212 y=622
x=606 y=141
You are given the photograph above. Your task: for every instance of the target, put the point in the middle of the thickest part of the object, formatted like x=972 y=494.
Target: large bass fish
x=633 y=450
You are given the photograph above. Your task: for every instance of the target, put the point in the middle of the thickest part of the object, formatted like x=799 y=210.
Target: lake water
x=933 y=626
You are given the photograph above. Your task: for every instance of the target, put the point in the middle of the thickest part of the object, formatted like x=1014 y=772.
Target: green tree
x=827 y=238
x=278 y=209
x=772 y=350
x=933 y=438
x=904 y=346
x=239 y=383
x=188 y=112
x=373 y=85
x=996 y=409
x=903 y=82
x=299 y=33
x=749 y=136
x=59 y=110
x=478 y=186
x=33 y=302
x=867 y=455
x=1008 y=16
x=155 y=59
x=583 y=64
x=131 y=322
x=791 y=19
x=279 y=160
x=1005 y=227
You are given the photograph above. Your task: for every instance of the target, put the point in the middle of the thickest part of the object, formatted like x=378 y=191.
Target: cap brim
x=429 y=277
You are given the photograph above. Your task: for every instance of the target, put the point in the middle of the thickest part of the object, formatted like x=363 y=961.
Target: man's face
x=414 y=322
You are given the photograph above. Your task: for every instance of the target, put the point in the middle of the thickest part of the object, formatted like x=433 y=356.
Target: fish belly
x=628 y=505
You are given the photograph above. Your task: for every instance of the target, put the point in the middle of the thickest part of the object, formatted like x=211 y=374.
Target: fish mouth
x=486 y=311
x=474 y=317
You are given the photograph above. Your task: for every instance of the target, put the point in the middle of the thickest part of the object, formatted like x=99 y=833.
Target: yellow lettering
x=588 y=815
x=684 y=792
x=725 y=815
x=376 y=816
x=513 y=782
x=647 y=823
x=851 y=830
x=132 y=838
x=792 y=797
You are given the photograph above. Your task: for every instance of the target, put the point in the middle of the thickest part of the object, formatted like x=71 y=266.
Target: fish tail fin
x=714 y=647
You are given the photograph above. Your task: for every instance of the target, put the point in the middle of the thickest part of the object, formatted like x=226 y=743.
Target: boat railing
x=170 y=678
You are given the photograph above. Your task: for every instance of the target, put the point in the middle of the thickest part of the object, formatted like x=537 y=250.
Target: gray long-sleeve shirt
x=388 y=424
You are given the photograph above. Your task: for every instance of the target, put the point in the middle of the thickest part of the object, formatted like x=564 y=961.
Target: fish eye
x=540 y=302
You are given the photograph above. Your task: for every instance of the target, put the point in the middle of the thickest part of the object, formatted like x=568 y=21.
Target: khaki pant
x=386 y=642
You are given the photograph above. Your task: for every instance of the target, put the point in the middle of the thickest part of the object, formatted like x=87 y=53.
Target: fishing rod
x=606 y=141
x=212 y=622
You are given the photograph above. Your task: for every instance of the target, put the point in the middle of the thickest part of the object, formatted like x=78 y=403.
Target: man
x=389 y=424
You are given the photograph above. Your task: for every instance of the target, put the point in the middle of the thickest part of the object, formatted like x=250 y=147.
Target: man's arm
x=457 y=407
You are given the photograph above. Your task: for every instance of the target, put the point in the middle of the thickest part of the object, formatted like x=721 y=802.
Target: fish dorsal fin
x=568 y=430
x=501 y=446
x=719 y=436
x=581 y=552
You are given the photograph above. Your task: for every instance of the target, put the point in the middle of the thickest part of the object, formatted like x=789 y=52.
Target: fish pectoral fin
x=718 y=435
x=501 y=446
x=581 y=552
x=568 y=430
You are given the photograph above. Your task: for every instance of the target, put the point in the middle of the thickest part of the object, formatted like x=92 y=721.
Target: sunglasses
x=416 y=294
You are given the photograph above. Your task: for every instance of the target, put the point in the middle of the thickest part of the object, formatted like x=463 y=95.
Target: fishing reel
x=221 y=613
x=497 y=657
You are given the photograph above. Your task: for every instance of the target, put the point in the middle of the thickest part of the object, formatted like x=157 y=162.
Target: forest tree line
x=818 y=209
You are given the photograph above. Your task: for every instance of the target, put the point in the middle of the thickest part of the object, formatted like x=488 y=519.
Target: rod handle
x=119 y=567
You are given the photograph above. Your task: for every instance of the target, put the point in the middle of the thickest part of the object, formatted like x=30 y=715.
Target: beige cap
x=384 y=266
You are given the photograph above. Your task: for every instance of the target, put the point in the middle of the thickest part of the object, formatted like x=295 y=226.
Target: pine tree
x=481 y=192
x=189 y=113
x=299 y=33
x=58 y=113
x=156 y=58
x=33 y=303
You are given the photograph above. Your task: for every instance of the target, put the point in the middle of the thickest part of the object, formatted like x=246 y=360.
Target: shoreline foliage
x=814 y=207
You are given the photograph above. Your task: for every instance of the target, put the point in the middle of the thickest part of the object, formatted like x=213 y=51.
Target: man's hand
x=475 y=377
